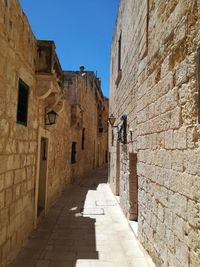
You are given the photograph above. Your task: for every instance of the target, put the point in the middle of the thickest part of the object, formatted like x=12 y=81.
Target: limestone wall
x=19 y=144
x=158 y=92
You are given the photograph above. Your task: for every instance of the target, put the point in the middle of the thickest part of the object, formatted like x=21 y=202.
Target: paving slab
x=85 y=228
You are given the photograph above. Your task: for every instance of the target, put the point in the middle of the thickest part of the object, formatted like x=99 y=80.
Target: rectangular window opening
x=83 y=139
x=119 y=67
x=73 y=153
x=119 y=52
x=22 y=107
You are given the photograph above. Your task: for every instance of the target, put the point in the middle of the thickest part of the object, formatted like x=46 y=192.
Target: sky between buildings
x=81 y=29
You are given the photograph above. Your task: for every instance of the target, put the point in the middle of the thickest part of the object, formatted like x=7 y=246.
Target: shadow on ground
x=65 y=235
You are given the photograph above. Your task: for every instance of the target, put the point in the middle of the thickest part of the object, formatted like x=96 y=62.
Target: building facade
x=35 y=155
x=89 y=121
x=154 y=151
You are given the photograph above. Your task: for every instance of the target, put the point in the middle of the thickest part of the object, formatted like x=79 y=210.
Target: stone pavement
x=85 y=228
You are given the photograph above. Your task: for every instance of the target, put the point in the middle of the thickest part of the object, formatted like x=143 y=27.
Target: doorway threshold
x=134 y=227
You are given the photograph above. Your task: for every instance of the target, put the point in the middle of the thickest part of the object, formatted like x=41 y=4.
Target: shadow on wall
x=65 y=236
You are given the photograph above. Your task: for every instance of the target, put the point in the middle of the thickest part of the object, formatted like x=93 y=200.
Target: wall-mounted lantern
x=121 y=128
x=52 y=116
x=112 y=120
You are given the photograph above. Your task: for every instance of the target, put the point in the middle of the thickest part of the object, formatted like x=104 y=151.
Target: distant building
x=154 y=166
x=89 y=121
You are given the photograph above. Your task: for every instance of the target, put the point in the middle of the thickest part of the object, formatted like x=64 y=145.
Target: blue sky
x=81 y=29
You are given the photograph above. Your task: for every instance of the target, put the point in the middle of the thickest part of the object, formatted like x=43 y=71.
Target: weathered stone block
x=178 y=160
x=176 y=118
x=2 y=199
x=184 y=93
x=195 y=258
x=160 y=140
x=165 y=67
x=13 y=162
x=9 y=176
x=181 y=73
x=180 y=138
x=32 y=147
x=179 y=204
x=191 y=137
x=182 y=252
x=194 y=214
x=11 y=147
x=181 y=31
x=164 y=159
x=8 y=196
x=4 y=128
x=2 y=144
x=6 y=249
x=4 y=217
x=192 y=239
x=19 y=176
x=2 y=106
x=3 y=163
x=179 y=224
x=2 y=235
x=191 y=163
x=1 y=182
x=170 y=240
x=23 y=147
x=169 y=143
x=17 y=191
x=30 y=160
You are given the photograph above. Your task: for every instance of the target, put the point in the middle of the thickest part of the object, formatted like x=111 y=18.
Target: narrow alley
x=100 y=133
x=84 y=228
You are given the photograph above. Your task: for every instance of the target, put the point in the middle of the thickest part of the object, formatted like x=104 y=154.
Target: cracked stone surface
x=68 y=237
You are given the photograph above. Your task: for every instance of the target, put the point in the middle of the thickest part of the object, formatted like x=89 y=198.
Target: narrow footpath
x=85 y=228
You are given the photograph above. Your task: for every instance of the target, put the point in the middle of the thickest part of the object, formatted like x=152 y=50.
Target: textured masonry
x=158 y=92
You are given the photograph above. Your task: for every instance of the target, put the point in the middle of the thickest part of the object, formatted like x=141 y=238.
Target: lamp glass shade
x=52 y=117
x=112 y=120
